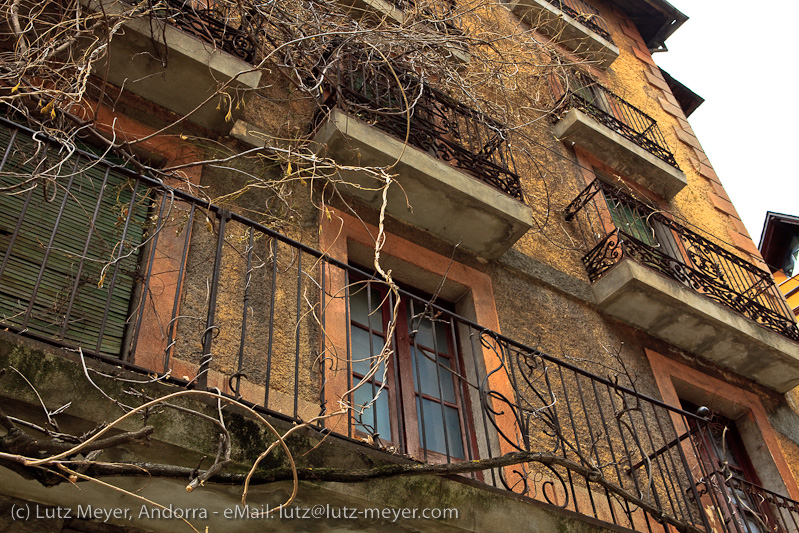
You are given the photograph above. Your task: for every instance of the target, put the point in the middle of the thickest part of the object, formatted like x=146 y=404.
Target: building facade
x=460 y=261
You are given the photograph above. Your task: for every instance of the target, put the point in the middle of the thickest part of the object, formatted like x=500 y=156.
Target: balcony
x=575 y=24
x=223 y=302
x=456 y=170
x=192 y=55
x=618 y=133
x=658 y=275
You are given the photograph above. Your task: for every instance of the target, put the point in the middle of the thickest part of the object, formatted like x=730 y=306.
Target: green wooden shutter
x=79 y=188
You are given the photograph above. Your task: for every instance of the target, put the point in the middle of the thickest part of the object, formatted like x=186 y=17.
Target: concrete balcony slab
x=192 y=72
x=570 y=33
x=681 y=316
x=445 y=201
x=635 y=162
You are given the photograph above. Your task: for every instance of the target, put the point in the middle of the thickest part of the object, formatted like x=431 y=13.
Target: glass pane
x=361 y=352
x=423 y=327
x=361 y=295
x=432 y=424
x=628 y=219
x=791 y=264
x=427 y=375
x=366 y=422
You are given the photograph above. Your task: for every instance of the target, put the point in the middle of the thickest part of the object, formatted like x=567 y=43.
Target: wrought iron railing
x=615 y=225
x=219 y=23
x=585 y=14
x=232 y=304
x=750 y=508
x=580 y=92
x=439 y=125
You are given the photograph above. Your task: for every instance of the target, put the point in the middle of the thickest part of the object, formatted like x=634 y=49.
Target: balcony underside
x=194 y=71
x=445 y=201
x=688 y=320
x=620 y=153
x=568 y=32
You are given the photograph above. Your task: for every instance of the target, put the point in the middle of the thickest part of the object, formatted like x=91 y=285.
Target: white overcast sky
x=740 y=57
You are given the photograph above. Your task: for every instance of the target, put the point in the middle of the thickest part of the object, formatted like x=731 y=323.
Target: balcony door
x=733 y=477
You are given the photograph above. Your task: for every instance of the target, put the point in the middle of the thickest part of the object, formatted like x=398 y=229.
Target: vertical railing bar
x=15 y=234
x=50 y=245
x=440 y=392
x=21 y=218
x=210 y=326
x=395 y=371
x=707 y=474
x=419 y=383
x=483 y=399
x=323 y=266
x=638 y=440
x=627 y=451
x=611 y=447
x=244 y=312
x=576 y=441
x=89 y=235
x=271 y=335
x=595 y=451
x=683 y=503
x=188 y=228
x=151 y=260
x=462 y=391
x=112 y=285
x=7 y=151
x=674 y=468
x=691 y=480
x=297 y=328
x=371 y=355
x=347 y=339
x=663 y=465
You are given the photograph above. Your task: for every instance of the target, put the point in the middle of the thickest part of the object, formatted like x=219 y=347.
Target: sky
x=740 y=57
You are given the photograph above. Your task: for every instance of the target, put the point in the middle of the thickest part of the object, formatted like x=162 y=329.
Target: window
x=724 y=452
x=417 y=397
x=638 y=220
x=791 y=264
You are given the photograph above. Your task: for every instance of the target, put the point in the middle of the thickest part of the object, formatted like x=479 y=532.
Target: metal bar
x=116 y=261
x=49 y=246
x=170 y=340
x=210 y=322
x=297 y=328
x=272 y=298
x=89 y=235
x=148 y=274
x=244 y=312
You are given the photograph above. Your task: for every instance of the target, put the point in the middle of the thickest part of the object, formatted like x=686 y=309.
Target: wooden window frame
x=402 y=385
